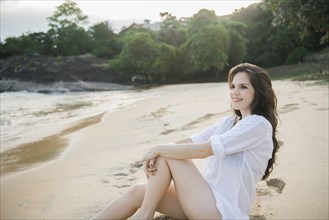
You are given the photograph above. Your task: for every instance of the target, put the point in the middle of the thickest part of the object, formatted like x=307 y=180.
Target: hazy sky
x=22 y=16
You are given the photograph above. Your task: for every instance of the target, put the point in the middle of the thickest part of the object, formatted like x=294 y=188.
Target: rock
x=45 y=69
x=58 y=87
x=45 y=74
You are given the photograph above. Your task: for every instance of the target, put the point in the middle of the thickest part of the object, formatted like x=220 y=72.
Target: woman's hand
x=149 y=159
x=149 y=167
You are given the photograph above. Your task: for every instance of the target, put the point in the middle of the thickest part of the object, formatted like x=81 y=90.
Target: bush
x=103 y=52
x=296 y=55
x=269 y=59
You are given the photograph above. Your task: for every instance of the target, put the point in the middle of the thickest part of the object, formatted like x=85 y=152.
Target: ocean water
x=26 y=117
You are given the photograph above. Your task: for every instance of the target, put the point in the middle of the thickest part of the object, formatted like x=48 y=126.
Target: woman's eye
x=232 y=87
x=244 y=87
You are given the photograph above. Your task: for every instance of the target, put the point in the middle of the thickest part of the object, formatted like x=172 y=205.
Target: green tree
x=206 y=51
x=101 y=32
x=11 y=46
x=67 y=15
x=42 y=42
x=136 y=58
x=201 y=20
x=310 y=16
x=267 y=45
x=66 y=30
x=26 y=44
x=172 y=31
x=165 y=64
x=106 y=43
x=237 y=42
x=137 y=28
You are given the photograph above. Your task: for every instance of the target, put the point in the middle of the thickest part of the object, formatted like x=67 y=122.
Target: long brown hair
x=264 y=102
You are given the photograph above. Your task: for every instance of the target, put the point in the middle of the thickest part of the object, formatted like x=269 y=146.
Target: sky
x=24 y=16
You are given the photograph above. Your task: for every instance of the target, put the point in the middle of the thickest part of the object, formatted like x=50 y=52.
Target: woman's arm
x=179 y=151
x=149 y=164
x=184 y=141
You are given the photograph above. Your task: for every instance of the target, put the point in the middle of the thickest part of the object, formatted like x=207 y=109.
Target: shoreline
x=100 y=162
x=28 y=155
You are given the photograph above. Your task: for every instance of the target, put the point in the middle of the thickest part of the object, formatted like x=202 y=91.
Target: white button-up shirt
x=241 y=154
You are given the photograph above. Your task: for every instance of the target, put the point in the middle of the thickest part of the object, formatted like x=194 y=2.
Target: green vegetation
x=301 y=72
x=199 y=48
x=310 y=16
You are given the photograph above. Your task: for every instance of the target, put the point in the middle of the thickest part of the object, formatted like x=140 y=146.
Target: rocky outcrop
x=45 y=69
x=58 y=87
x=40 y=73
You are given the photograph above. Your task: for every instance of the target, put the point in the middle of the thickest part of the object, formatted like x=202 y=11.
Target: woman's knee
x=136 y=193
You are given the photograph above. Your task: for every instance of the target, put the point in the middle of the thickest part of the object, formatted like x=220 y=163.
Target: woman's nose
x=235 y=91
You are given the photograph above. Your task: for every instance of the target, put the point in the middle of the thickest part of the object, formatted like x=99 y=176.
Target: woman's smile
x=242 y=93
x=235 y=99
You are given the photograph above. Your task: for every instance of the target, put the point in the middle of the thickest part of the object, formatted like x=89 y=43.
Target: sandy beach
x=98 y=159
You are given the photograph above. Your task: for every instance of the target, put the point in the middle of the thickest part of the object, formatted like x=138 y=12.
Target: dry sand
x=101 y=161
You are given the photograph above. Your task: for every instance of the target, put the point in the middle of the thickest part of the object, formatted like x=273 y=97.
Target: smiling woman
x=15 y=21
x=242 y=93
x=240 y=149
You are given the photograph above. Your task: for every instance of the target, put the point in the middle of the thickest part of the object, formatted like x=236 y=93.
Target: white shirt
x=241 y=154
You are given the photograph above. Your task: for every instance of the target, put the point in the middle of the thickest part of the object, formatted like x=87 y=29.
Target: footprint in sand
x=265 y=189
x=134 y=167
x=159 y=113
x=277 y=184
x=121 y=186
x=270 y=187
x=257 y=217
x=308 y=102
x=24 y=203
x=126 y=178
x=280 y=143
x=288 y=108
x=121 y=182
x=137 y=164
x=322 y=109
x=120 y=174
x=191 y=124
x=165 y=132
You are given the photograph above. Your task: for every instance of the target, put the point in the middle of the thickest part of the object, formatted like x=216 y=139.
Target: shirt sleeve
x=205 y=135
x=245 y=135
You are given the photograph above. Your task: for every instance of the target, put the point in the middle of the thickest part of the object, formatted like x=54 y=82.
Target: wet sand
x=94 y=165
x=31 y=154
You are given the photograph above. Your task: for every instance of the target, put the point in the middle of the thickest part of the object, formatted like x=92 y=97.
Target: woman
x=241 y=150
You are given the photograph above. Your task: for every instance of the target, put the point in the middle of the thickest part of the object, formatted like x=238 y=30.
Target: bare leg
x=156 y=188
x=127 y=205
x=194 y=194
x=191 y=196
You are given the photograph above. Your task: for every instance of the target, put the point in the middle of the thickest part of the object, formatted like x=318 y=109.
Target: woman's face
x=242 y=93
